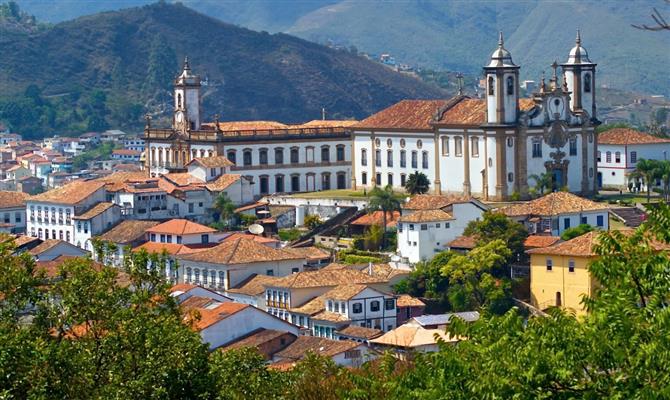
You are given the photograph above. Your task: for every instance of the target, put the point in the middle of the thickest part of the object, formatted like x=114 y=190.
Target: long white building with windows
x=275 y=157
x=489 y=147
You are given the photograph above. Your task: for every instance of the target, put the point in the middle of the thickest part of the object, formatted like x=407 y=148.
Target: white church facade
x=274 y=157
x=489 y=147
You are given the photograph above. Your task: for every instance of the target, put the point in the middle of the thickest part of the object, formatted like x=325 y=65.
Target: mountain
x=106 y=69
x=453 y=34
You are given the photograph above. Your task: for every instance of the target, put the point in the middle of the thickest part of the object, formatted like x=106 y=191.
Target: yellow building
x=559 y=275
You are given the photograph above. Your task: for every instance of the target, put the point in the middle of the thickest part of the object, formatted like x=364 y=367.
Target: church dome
x=501 y=57
x=578 y=54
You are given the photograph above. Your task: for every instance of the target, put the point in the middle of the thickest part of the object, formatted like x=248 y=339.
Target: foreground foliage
x=134 y=344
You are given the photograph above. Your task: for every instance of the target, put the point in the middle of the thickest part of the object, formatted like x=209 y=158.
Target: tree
x=471 y=281
x=312 y=221
x=427 y=279
x=225 y=208
x=417 y=183
x=383 y=200
x=578 y=230
x=648 y=172
x=543 y=181
x=240 y=374
x=496 y=226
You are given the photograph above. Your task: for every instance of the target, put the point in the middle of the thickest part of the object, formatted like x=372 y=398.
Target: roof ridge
x=449 y=104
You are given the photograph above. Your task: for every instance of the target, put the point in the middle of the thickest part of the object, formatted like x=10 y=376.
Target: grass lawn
x=343 y=194
x=632 y=198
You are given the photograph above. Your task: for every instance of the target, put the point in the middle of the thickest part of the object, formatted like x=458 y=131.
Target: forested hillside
x=108 y=69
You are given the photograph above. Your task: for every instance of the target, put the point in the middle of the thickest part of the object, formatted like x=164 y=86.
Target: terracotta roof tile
x=463 y=242
x=248 y=236
x=240 y=251
x=325 y=277
x=13 y=199
x=127 y=152
x=376 y=218
x=173 y=248
x=329 y=317
x=72 y=193
x=128 y=231
x=310 y=253
x=317 y=345
x=553 y=204
x=406 y=114
x=405 y=300
x=328 y=123
x=222 y=182
x=180 y=227
x=432 y=202
x=311 y=307
x=46 y=245
x=361 y=332
x=534 y=241
x=473 y=112
x=345 y=292
x=182 y=179
x=204 y=312
x=628 y=136
x=411 y=335
x=256 y=338
x=426 y=216
x=254 y=285
x=212 y=162
x=96 y=210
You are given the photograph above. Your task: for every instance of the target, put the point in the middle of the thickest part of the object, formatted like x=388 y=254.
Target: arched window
x=424 y=160
x=492 y=90
x=587 y=83
x=212 y=282
x=510 y=86
x=232 y=156
x=222 y=278
x=189 y=275
x=204 y=277
x=46 y=234
x=197 y=276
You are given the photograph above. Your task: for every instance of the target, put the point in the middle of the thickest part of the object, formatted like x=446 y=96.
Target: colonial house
x=126 y=155
x=51 y=249
x=128 y=233
x=555 y=212
x=344 y=353
x=275 y=157
x=183 y=231
x=619 y=150
x=98 y=219
x=13 y=212
x=222 y=322
x=429 y=222
x=229 y=263
x=488 y=147
x=51 y=214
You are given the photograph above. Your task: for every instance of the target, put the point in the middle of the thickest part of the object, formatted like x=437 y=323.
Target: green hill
x=105 y=70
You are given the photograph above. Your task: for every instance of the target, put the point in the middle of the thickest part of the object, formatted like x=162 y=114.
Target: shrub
x=312 y=221
x=289 y=235
x=354 y=259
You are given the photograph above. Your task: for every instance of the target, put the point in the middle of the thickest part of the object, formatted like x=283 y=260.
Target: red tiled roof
x=180 y=227
x=127 y=152
x=13 y=199
x=463 y=242
x=377 y=218
x=553 y=204
x=240 y=251
x=628 y=136
x=534 y=241
x=433 y=201
x=204 y=312
x=406 y=114
x=469 y=111
x=72 y=193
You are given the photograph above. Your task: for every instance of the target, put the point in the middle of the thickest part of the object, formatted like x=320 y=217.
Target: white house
x=222 y=322
x=98 y=219
x=182 y=231
x=488 y=147
x=620 y=149
x=231 y=262
x=184 y=291
x=13 y=212
x=344 y=353
x=126 y=155
x=51 y=249
x=555 y=212
x=130 y=233
x=50 y=215
x=429 y=222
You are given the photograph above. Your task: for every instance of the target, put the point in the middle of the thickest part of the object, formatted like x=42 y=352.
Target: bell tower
x=580 y=74
x=187 y=100
x=502 y=87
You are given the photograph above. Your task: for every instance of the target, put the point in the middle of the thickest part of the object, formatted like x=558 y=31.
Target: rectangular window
x=191 y=207
x=424 y=227
x=445 y=145
x=573 y=147
x=550 y=264
x=571 y=266
x=411 y=227
x=17 y=217
x=295 y=155
x=566 y=223
x=617 y=157
x=389 y=304
x=364 y=178
x=599 y=157
x=270 y=272
x=403 y=180
x=458 y=146
x=378 y=158
x=633 y=157
x=474 y=148
x=608 y=157
x=424 y=160
x=374 y=306
x=600 y=221
x=389 y=158
x=390 y=179
x=378 y=179
x=415 y=160
x=403 y=159
x=400 y=228
x=204 y=239
x=162 y=238
x=364 y=157
x=357 y=308
x=178 y=239
x=339 y=153
x=279 y=156
x=537 y=148
x=583 y=220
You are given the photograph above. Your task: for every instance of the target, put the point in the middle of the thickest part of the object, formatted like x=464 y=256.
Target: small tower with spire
x=502 y=86
x=187 y=100
x=580 y=75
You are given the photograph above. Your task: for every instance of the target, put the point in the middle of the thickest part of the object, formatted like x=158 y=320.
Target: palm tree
x=648 y=171
x=383 y=200
x=417 y=183
x=543 y=181
x=664 y=175
x=225 y=207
